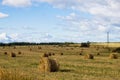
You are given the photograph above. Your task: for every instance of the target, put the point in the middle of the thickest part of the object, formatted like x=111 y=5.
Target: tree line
x=29 y=43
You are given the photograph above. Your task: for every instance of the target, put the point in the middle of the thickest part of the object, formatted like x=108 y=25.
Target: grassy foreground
x=72 y=65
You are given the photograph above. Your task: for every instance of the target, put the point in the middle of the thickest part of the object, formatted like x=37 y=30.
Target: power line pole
x=107 y=39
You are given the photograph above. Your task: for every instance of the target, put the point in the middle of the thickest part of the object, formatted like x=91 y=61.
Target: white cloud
x=3 y=15
x=90 y=29
x=4 y=37
x=108 y=8
x=61 y=3
x=17 y=3
x=102 y=16
x=102 y=28
x=71 y=16
x=32 y=37
x=13 y=36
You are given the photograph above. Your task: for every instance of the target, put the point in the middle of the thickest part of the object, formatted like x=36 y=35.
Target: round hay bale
x=48 y=65
x=45 y=55
x=19 y=52
x=113 y=56
x=39 y=48
x=61 y=53
x=13 y=54
x=30 y=49
x=14 y=47
x=44 y=65
x=3 y=47
x=49 y=54
x=54 y=65
x=53 y=53
x=98 y=53
x=97 y=49
x=5 y=53
x=89 y=56
x=80 y=53
x=71 y=48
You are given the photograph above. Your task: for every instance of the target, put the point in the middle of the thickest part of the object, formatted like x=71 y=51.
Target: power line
x=107 y=39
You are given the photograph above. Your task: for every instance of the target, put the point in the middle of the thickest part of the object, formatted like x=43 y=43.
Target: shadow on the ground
x=66 y=70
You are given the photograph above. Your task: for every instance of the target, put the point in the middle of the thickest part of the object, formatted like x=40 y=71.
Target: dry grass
x=13 y=75
x=72 y=66
x=112 y=44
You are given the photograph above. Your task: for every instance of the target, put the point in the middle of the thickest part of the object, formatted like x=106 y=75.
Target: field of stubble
x=72 y=65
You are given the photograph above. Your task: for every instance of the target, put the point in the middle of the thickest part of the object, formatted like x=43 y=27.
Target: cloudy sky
x=59 y=20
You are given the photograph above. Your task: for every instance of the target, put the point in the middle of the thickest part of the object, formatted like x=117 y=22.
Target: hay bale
x=53 y=53
x=97 y=49
x=80 y=53
x=89 y=56
x=116 y=50
x=39 y=48
x=5 y=53
x=14 y=47
x=45 y=55
x=98 y=53
x=113 y=56
x=30 y=49
x=48 y=65
x=19 y=52
x=71 y=48
x=61 y=53
x=3 y=47
x=44 y=65
x=13 y=54
x=49 y=54
x=54 y=65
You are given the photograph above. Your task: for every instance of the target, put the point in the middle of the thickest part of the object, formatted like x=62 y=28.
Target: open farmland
x=112 y=44
x=73 y=66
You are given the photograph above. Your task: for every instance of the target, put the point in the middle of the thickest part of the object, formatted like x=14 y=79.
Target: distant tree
x=28 y=43
x=87 y=44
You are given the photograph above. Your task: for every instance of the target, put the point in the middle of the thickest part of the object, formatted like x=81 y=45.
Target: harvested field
x=72 y=65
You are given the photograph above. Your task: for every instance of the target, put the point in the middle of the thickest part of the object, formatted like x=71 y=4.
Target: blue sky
x=59 y=20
